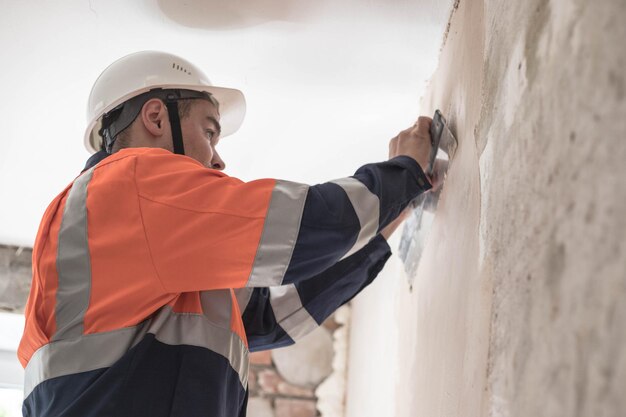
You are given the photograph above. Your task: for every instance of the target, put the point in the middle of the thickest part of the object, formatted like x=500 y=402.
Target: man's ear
x=153 y=115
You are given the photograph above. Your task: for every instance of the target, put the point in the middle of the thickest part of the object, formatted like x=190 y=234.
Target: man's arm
x=279 y=316
x=208 y=231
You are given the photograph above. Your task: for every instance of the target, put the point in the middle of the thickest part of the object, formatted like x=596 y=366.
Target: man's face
x=201 y=134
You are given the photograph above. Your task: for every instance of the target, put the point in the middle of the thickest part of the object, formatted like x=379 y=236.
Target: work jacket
x=153 y=278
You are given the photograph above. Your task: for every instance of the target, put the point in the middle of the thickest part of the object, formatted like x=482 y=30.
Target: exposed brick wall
x=15 y=276
x=271 y=395
x=283 y=398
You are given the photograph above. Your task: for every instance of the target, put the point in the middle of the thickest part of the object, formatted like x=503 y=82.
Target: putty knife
x=418 y=223
x=441 y=138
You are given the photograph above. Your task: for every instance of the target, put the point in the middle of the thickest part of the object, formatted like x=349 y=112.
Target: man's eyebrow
x=215 y=123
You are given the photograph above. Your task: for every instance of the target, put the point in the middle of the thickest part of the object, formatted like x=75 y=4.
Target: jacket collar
x=94 y=159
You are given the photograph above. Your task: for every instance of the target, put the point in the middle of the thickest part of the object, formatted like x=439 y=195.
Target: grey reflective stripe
x=81 y=354
x=195 y=330
x=280 y=232
x=367 y=207
x=101 y=350
x=73 y=263
x=217 y=307
x=243 y=297
x=290 y=313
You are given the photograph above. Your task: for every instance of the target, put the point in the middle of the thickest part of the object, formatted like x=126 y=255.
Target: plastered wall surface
x=552 y=130
x=518 y=304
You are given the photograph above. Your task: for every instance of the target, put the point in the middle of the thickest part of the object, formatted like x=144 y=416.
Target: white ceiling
x=327 y=82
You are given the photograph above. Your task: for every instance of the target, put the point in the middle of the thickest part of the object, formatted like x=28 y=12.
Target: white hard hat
x=143 y=71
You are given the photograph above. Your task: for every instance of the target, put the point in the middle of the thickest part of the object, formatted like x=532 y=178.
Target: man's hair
x=123 y=139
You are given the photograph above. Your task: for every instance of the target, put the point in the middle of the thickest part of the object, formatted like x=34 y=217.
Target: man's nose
x=217 y=162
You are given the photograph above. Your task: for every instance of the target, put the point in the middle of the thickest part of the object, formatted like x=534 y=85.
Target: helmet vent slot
x=180 y=68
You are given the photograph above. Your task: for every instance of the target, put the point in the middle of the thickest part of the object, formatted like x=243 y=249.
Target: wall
x=517 y=307
x=15 y=277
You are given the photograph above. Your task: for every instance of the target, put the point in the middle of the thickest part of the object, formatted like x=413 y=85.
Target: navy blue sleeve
x=278 y=316
x=336 y=214
x=396 y=183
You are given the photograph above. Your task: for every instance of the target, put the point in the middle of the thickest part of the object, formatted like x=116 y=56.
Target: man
x=154 y=273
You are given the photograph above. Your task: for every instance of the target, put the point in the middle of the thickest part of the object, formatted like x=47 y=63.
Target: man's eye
x=210 y=134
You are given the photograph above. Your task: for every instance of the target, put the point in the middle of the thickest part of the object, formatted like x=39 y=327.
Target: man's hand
x=440 y=169
x=414 y=142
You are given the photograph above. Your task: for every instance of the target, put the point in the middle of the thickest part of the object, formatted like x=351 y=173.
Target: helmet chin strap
x=177 y=134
